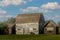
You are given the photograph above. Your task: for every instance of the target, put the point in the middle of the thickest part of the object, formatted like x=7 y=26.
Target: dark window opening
x=34 y=28
x=50 y=31
x=19 y=29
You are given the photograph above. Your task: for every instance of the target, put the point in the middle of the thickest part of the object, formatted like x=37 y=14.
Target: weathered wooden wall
x=27 y=28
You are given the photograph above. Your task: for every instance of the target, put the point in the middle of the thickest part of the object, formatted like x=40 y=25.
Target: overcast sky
x=49 y=8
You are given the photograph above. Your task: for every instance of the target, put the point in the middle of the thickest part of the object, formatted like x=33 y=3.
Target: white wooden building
x=29 y=23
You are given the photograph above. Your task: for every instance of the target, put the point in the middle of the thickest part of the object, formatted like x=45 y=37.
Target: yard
x=30 y=37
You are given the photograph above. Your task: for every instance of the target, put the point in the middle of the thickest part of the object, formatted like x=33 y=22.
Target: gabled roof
x=28 y=18
x=10 y=25
x=46 y=23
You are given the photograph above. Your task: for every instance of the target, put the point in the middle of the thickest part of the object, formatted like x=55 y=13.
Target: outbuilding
x=50 y=27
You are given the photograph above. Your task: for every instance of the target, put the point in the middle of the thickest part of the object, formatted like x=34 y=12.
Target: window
x=50 y=28
x=19 y=29
x=34 y=28
x=50 y=31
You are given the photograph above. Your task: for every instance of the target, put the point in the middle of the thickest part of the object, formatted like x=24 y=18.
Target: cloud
x=51 y=5
x=2 y=12
x=13 y=2
x=1 y=16
x=55 y=17
x=30 y=0
x=30 y=9
x=34 y=9
x=45 y=10
x=8 y=16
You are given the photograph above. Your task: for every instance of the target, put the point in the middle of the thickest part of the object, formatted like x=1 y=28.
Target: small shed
x=11 y=28
x=50 y=27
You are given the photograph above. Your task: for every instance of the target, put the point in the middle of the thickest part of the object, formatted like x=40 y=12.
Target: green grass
x=30 y=37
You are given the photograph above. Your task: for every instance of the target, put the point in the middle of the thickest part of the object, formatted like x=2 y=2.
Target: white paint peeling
x=26 y=28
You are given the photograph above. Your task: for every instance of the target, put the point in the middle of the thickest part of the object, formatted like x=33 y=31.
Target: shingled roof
x=28 y=18
x=51 y=23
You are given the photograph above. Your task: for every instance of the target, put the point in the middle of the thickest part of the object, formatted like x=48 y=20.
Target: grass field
x=30 y=37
